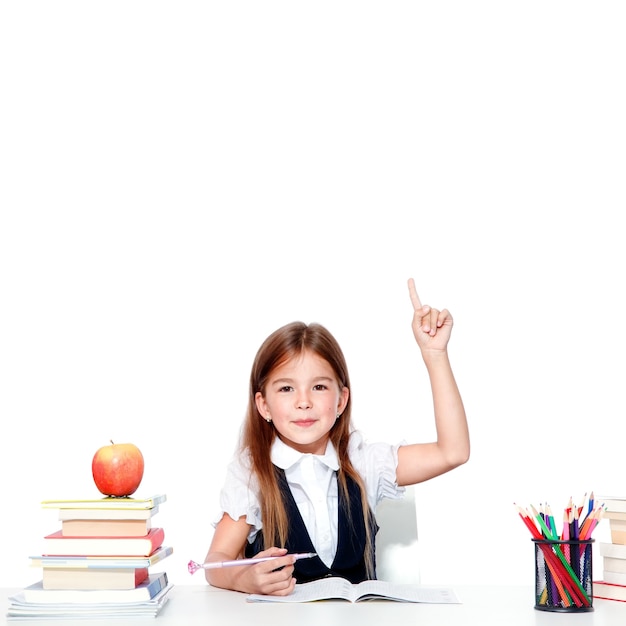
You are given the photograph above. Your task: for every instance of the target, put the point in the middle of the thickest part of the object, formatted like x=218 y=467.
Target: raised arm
x=421 y=461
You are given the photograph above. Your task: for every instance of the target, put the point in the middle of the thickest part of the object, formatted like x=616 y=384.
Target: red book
x=59 y=545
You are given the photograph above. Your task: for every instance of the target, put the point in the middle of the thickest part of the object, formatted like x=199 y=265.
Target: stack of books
x=98 y=564
x=612 y=586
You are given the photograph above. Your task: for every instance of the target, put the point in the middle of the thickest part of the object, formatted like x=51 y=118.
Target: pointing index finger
x=417 y=305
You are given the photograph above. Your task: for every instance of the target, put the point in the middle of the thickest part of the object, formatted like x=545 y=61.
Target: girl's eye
x=285 y=389
x=319 y=387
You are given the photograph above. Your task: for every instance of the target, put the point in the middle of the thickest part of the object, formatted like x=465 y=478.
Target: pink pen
x=193 y=567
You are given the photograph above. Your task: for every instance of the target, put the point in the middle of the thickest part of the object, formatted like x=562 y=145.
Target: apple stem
x=111 y=440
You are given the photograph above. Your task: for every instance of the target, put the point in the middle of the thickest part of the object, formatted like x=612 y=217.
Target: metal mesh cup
x=563 y=575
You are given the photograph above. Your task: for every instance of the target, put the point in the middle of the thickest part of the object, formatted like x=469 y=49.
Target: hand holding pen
x=193 y=567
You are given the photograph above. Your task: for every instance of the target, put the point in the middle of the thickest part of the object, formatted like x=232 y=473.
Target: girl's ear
x=261 y=405
x=343 y=400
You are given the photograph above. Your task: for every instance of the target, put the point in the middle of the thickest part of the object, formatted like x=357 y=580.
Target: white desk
x=192 y=605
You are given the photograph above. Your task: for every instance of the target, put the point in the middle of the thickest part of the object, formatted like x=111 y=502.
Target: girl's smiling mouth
x=305 y=422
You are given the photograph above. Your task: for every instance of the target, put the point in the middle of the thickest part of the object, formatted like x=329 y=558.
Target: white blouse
x=310 y=479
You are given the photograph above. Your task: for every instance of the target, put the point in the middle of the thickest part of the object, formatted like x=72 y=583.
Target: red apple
x=117 y=469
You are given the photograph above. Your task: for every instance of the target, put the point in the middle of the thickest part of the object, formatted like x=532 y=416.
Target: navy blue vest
x=349 y=560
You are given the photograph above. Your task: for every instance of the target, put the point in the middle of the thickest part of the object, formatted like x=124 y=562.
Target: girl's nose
x=304 y=402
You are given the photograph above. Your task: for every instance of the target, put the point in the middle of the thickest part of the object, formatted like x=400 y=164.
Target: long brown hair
x=283 y=344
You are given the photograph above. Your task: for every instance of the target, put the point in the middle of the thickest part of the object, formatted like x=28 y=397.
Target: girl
x=304 y=479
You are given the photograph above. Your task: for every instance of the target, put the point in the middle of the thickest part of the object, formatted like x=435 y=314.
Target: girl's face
x=303 y=398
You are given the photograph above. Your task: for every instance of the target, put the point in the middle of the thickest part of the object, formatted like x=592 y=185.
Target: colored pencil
x=565 y=535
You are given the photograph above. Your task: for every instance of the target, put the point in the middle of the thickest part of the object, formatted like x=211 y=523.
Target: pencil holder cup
x=563 y=575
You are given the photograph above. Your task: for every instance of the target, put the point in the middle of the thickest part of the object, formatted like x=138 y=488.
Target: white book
x=611 y=564
x=336 y=588
x=614 y=550
x=615 y=578
x=615 y=504
x=102 y=513
x=20 y=609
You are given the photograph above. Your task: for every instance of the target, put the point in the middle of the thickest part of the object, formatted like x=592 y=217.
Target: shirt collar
x=285 y=457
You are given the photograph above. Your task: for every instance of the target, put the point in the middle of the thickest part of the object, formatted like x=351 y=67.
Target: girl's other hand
x=431 y=327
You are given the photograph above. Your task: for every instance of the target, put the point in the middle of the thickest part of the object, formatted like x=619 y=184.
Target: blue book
x=147 y=590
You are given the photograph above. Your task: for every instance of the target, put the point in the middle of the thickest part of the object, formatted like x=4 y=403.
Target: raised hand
x=431 y=327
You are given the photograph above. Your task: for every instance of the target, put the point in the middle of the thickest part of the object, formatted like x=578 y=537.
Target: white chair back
x=396 y=542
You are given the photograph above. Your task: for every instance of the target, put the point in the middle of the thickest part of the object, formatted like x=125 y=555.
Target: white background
x=179 y=179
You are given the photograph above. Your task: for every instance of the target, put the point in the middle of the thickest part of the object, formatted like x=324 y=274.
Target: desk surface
x=193 y=605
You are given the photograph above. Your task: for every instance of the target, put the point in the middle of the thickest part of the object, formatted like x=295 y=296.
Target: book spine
x=616 y=578
x=158 y=584
x=104 y=562
x=612 y=564
x=618 y=537
x=71 y=578
x=613 y=550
